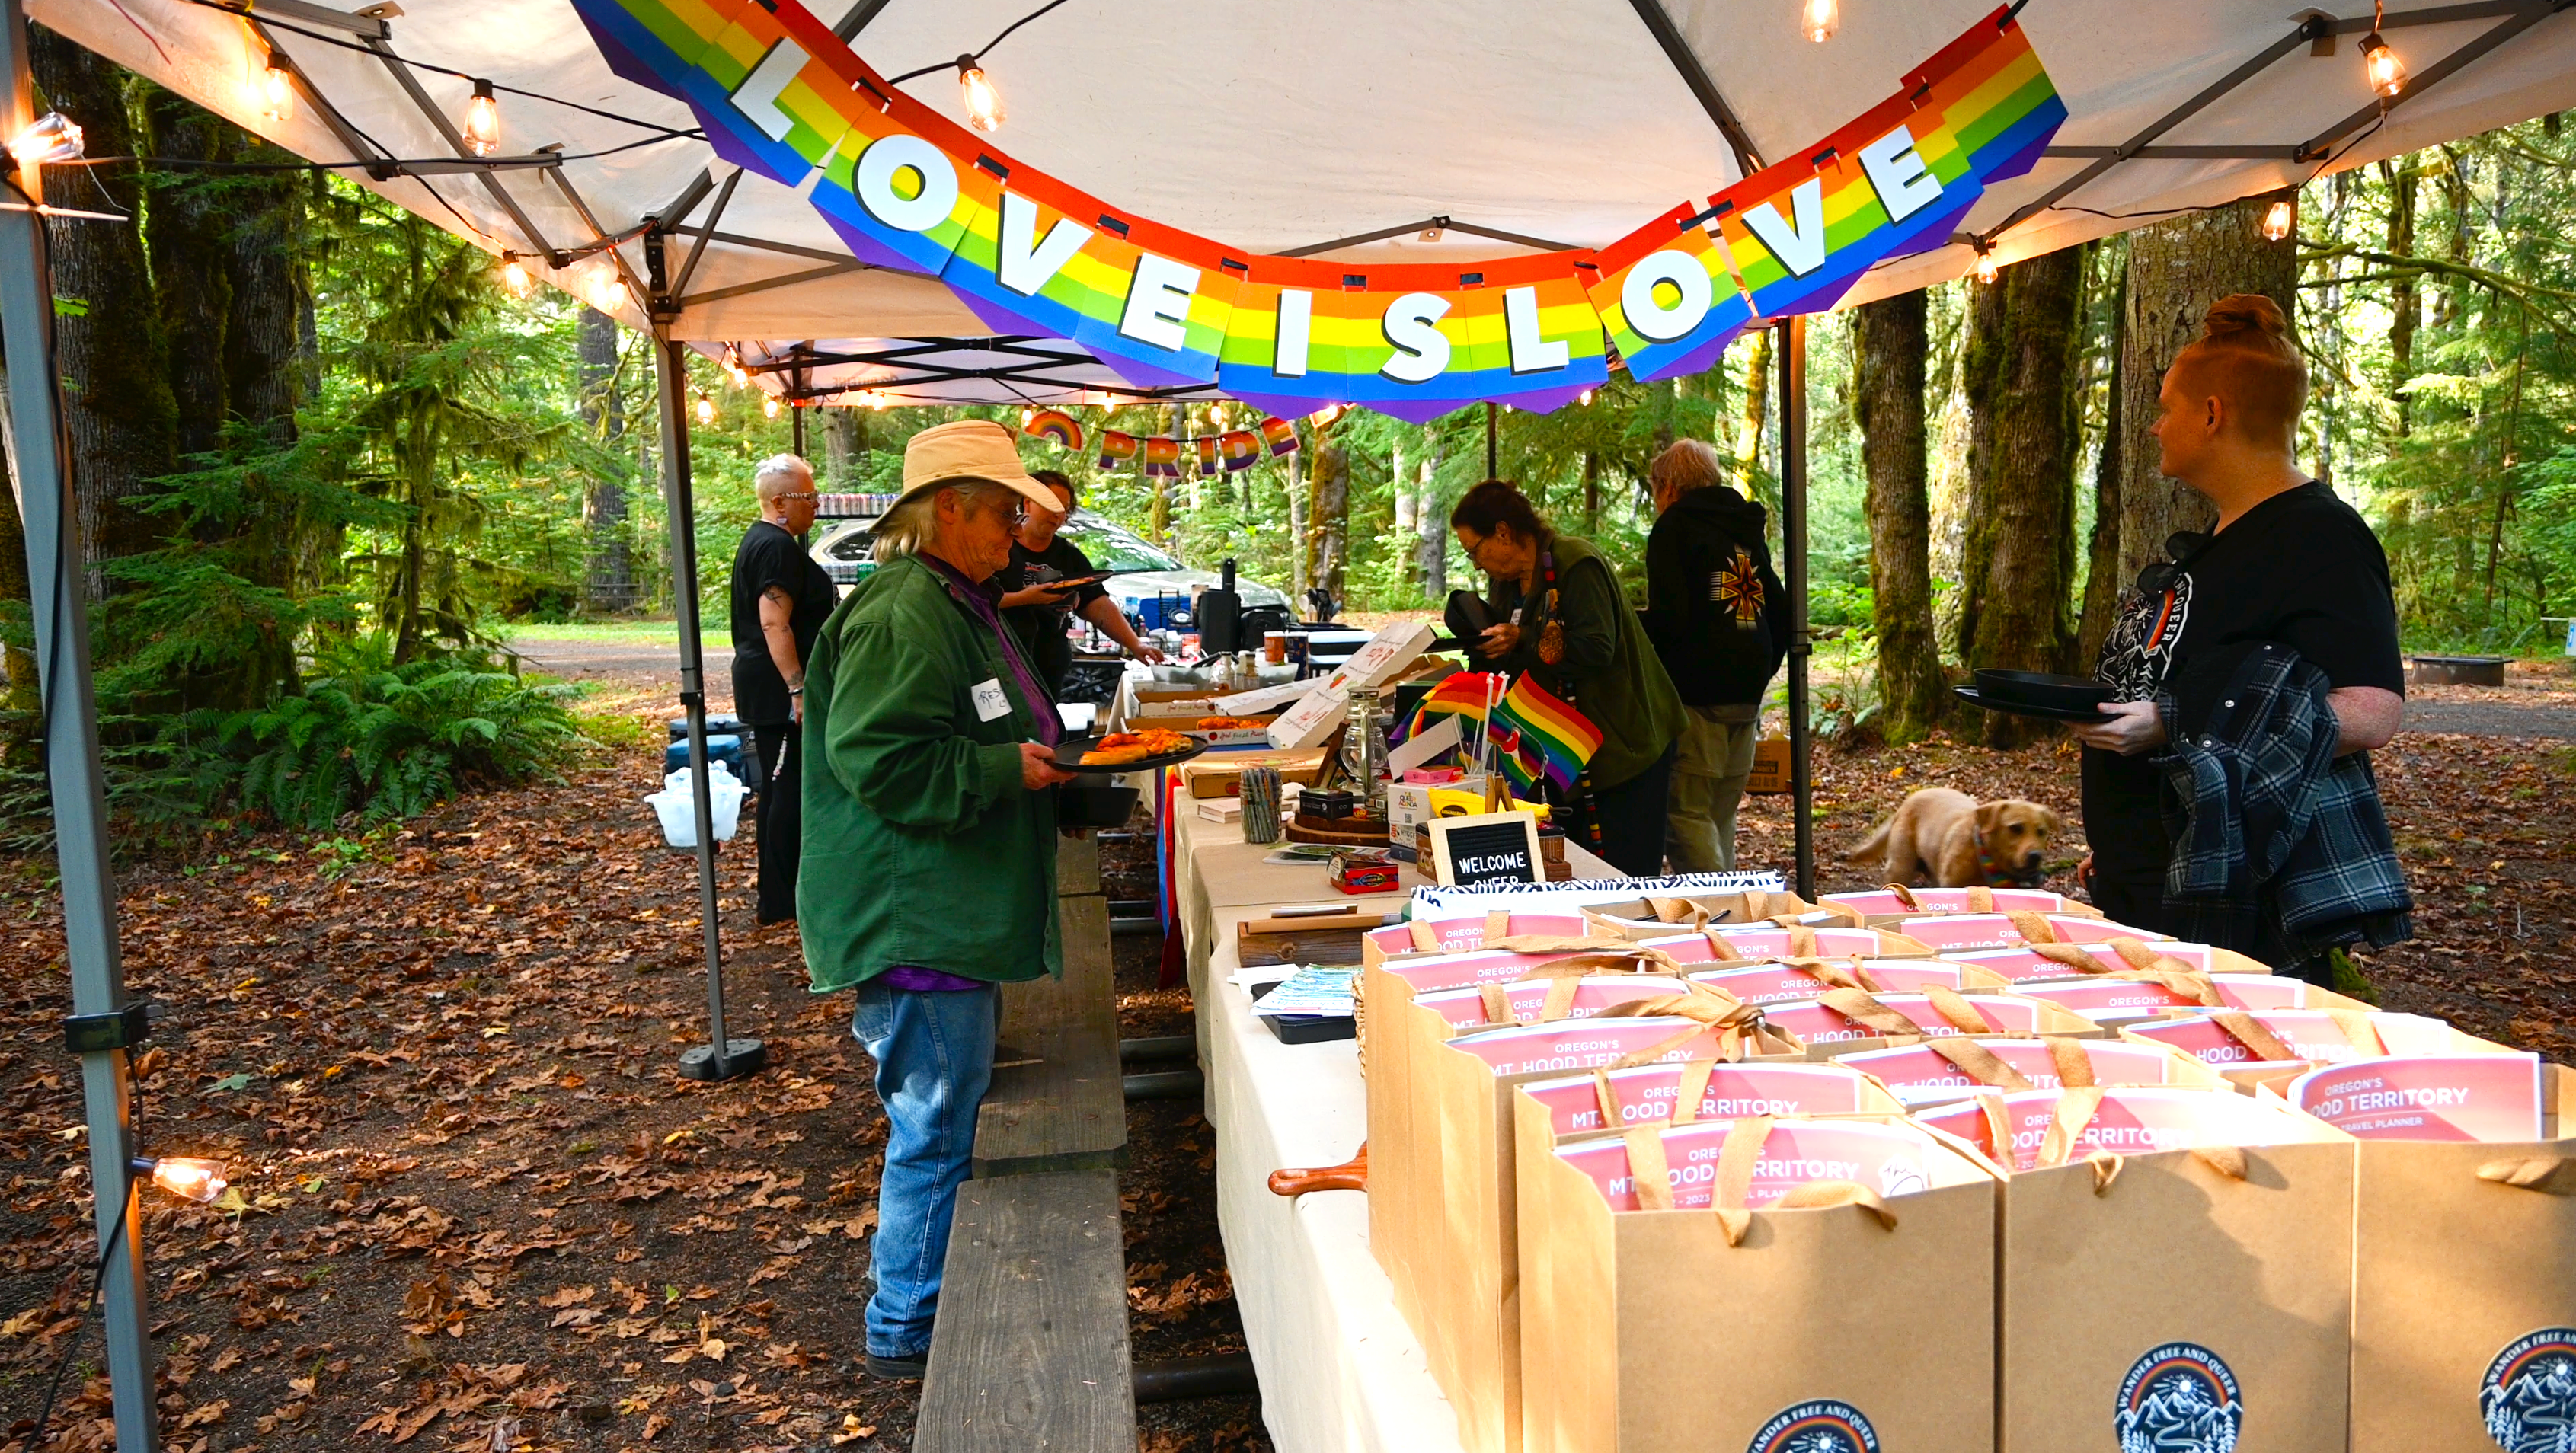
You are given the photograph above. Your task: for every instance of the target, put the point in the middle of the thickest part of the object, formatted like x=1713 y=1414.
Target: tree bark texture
x=609 y=575
x=1329 y=507
x=117 y=404
x=845 y=448
x=2176 y=270
x=1431 y=526
x=1757 y=404
x=2405 y=300
x=2019 y=370
x=2102 y=579
x=1890 y=347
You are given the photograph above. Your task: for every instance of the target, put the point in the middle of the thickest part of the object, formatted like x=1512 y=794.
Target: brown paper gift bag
x=2180 y=1293
x=1766 y=1330
x=2464 y=1290
x=1441 y=1206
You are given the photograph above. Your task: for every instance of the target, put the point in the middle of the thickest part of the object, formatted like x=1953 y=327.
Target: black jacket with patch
x=1714 y=610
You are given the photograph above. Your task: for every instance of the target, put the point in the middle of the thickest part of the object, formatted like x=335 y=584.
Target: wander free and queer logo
x=2529 y=1396
x=2179 y=1398
x=1822 y=1426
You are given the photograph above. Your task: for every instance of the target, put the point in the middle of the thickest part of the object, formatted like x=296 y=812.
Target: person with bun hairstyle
x=2288 y=565
x=1559 y=612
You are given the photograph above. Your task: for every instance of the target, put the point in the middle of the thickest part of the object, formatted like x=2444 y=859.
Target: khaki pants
x=1708 y=781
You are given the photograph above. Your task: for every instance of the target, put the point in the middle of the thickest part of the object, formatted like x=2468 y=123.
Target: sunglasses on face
x=2160 y=575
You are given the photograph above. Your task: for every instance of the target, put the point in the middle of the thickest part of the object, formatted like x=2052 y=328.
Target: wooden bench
x=1030 y=1350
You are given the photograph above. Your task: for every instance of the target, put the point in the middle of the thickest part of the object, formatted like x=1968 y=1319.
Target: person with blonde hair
x=781 y=598
x=2213 y=660
x=1720 y=623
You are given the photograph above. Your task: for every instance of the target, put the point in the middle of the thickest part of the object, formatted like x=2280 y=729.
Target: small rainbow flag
x=1056 y=425
x=1536 y=735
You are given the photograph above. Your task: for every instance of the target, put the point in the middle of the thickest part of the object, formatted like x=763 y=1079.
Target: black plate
x=2039 y=688
x=1969 y=695
x=1068 y=755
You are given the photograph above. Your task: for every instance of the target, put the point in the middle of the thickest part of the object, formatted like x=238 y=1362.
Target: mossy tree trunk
x=1891 y=344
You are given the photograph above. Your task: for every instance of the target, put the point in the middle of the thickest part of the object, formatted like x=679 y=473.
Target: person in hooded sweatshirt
x=1720 y=622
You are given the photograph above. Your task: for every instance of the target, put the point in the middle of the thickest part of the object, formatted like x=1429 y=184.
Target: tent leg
x=796 y=426
x=55 y=581
x=720 y=1058
x=1490 y=441
x=1793 y=545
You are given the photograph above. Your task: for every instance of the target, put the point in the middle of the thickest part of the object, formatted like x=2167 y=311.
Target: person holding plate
x=930 y=839
x=1038 y=607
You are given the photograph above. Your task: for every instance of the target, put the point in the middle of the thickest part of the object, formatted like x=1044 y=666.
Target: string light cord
x=183 y=163
x=89 y=1306
x=948 y=65
x=270 y=19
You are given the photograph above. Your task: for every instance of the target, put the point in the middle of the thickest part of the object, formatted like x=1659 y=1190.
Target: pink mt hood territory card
x=2019 y=964
x=1889 y=1159
x=1527 y=1000
x=2491 y=1097
x=1813 y=1023
x=1994 y=930
x=1583 y=1044
x=1780 y=983
x=2131 y=998
x=1645 y=1094
x=1920 y=1076
x=1882 y=904
x=1464 y=935
x=2130 y=1122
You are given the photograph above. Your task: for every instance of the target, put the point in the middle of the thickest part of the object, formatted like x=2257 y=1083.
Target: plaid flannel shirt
x=2281 y=849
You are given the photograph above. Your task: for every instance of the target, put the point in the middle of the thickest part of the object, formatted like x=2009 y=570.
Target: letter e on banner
x=1158 y=302
x=1905 y=185
x=1412 y=326
x=935 y=181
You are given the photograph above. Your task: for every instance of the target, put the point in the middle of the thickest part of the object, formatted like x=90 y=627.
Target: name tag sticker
x=989 y=701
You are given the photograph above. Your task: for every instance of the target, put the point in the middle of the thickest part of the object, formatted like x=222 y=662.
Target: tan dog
x=1961 y=842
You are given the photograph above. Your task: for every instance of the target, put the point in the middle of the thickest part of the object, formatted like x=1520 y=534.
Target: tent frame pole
x=721 y=1057
x=1793 y=548
x=57 y=587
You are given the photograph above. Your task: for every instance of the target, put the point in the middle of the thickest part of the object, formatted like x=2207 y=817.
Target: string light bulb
x=1986 y=268
x=483 y=120
x=1819 y=19
x=514 y=275
x=983 y=103
x=734 y=369
x=706 y=409
x=2278 y=221
x=2387 y=73
x=277 y=87
x=604 y=290
x=1584 y=399
x=769 y=407
x=50 y=138
x=187 y=1178
x=878 y=400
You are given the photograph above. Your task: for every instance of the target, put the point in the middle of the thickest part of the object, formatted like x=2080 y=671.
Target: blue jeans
x=934 y=1054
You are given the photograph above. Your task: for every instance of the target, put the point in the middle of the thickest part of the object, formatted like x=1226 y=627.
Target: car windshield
x=852 y=547
x=1110 y=548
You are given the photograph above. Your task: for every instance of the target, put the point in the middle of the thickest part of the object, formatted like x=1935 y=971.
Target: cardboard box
x=1948 y=932
x=2173 y=1260
x=1778 y=1329
x=1763 y=941
x=1886 y=907
x=1783 y=982
x=1312 y=721
x=2118 y=998
x=1842 y=1020
x=1655 y=915
x=1770 y=767
x=2464 y=1278
x=1939 y=1071
x=1383 y=657
x=1223 y=776
x=1441 y=1203
x=1617 y=1101
x=1465 y=934
x=2269 y=1044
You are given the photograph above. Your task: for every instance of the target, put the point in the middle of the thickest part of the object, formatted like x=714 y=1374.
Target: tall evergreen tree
x=1891 y=344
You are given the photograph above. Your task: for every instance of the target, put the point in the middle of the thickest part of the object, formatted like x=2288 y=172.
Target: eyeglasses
x=2159 y=576
x=1475 y=551
x=808 y=495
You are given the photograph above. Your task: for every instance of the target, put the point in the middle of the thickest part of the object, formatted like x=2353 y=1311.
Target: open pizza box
x=1755 y=1283
x=2176 y=1269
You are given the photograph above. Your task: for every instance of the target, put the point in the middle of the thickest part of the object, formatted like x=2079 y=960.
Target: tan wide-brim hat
x=968 y=449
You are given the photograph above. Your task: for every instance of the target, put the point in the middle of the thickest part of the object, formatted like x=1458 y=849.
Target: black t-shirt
x=1041 y=627
x=2301 y=568
x=770 y=556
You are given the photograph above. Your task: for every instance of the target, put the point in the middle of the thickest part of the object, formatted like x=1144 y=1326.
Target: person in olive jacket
x=1560 y=614
x=929 y=874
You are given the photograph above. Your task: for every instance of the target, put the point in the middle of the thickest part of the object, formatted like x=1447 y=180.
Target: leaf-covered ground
x=478 y=1210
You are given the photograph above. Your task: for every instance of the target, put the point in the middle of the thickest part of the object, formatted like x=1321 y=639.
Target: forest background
x=327 y=459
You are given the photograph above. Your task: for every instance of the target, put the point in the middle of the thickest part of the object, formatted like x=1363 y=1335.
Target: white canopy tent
x=1372 y=132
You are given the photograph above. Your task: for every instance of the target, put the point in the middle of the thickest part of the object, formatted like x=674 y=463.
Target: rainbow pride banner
x=904 y=187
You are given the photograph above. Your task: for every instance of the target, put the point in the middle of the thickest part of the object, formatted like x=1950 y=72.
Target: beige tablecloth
x=1339 y=1368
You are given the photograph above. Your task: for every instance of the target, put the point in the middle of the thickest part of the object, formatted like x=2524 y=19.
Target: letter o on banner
x=1650 y=318
x=873 y=181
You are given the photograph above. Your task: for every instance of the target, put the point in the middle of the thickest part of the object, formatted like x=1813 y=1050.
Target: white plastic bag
x=676 y=806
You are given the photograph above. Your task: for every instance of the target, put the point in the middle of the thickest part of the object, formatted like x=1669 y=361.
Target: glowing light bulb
x=769 y=407
x=277 y=88
x=706 y=409
x=734 y=369
x=983 y=103
x=2387 y=73
x=878 y=400
x=1027 y=417
x=1819 y=19
x=1584 y=398
x=604 y=290
x=51 y=137
x=1985 y=266
x=186 y=1178
x=514 y=275
x=483 y=121
x=2279 y=220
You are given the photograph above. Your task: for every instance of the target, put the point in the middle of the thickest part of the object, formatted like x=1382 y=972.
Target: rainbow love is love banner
x=904 y=187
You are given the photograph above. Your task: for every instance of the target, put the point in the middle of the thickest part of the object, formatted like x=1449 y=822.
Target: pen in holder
x=1260 y=804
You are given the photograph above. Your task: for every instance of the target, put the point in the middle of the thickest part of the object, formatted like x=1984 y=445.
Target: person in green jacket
x=929 y=865
x=1561 y=615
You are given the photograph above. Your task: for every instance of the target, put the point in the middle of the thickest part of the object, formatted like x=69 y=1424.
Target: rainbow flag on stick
x=1535 y=735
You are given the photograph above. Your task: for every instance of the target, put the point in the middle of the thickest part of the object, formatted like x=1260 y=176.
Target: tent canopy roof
x=1558 y=123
